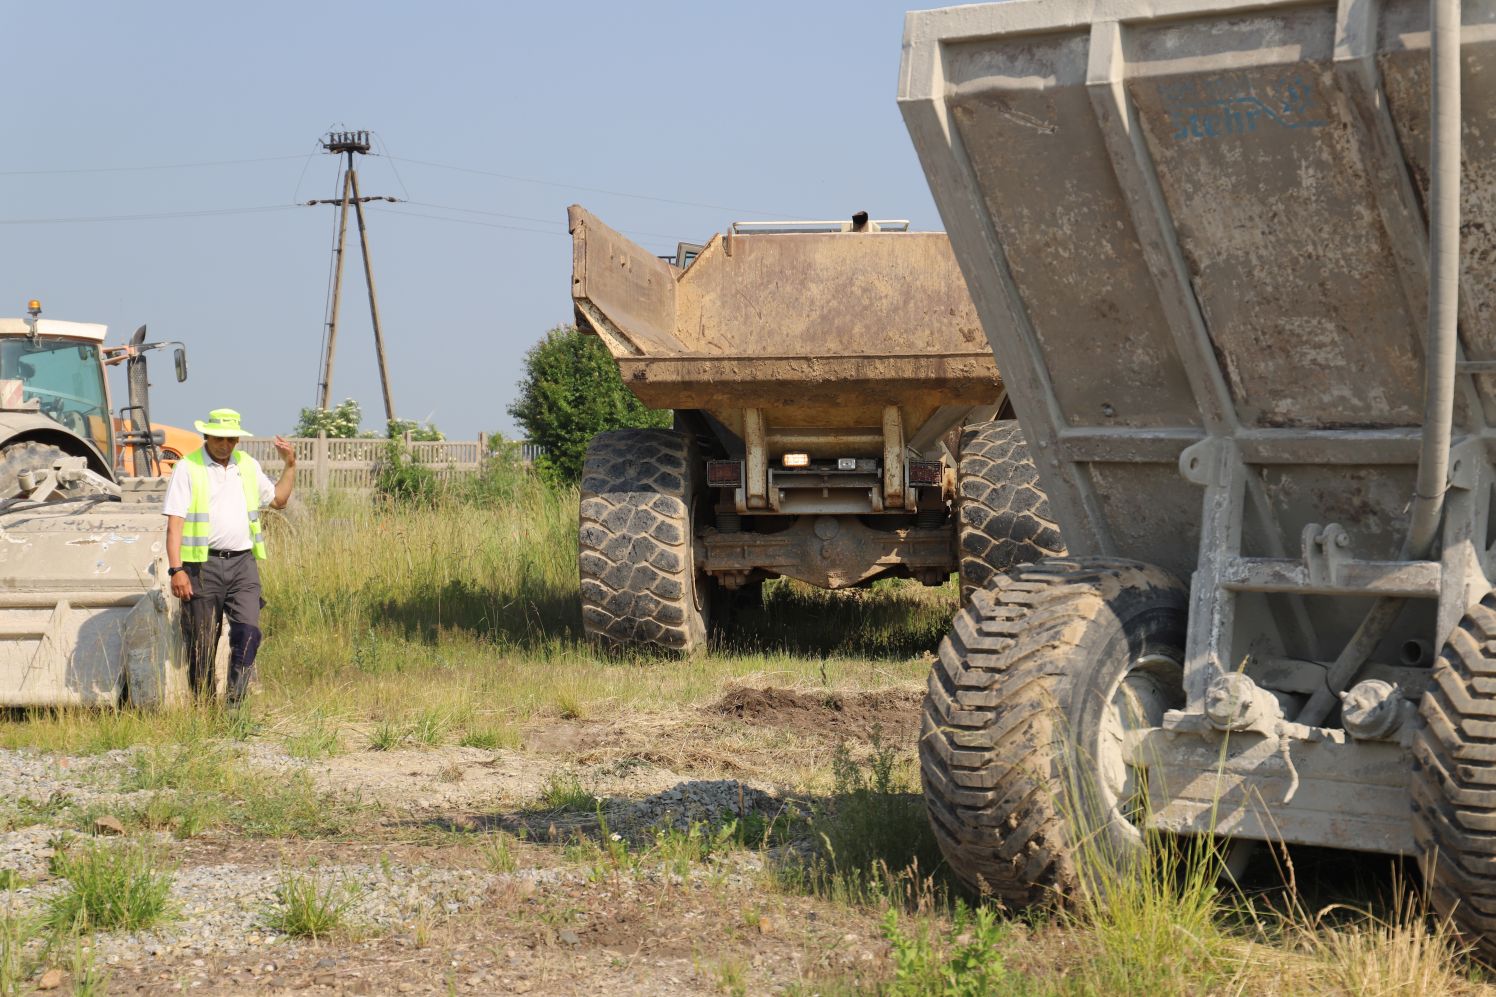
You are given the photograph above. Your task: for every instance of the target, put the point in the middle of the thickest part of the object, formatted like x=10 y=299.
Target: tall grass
x=1161 y=925
x=458 y=618
x=1392 y=943
x=94 y=731
x=503 y=571
x=15 y=932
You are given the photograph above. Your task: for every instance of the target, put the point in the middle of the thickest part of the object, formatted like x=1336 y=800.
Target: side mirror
x=181 y=358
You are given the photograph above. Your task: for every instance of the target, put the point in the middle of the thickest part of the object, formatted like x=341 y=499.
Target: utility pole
x=350 y=144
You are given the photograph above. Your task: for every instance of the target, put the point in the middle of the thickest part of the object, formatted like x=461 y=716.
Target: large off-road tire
x=1002 y=515
x=1021 y=742
x=640 y=587
x=30 y=455
x=1454 y=780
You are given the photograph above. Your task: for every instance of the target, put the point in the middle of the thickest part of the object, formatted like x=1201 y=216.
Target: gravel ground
x=226 y=908
x=427 y=913
x=707 y=802
x=636 y=795
x=36 y=777
x=221 y=908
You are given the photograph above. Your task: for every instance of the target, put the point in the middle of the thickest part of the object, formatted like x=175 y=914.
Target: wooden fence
x=324 y=464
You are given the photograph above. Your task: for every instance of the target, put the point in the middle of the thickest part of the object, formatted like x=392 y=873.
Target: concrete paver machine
x=1216 y=247
x=86 y=613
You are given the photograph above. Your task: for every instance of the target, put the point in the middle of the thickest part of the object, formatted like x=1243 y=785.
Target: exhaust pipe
x=1443 y=274
x=1443 y=340
x=143 y=457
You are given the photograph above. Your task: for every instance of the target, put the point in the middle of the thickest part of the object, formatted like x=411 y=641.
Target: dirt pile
x=892 y=714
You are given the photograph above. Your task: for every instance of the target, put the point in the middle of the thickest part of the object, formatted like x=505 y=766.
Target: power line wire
x=595 y=190
x=137 y=169
x=526 y=218
x=306 y=159
x=147 y=217
x=465 y=221
x=301 y=177
x=480 y=211
x=474 y=221
x=385 y=152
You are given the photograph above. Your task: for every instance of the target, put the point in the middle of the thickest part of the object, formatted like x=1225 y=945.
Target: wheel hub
x=1137 y=703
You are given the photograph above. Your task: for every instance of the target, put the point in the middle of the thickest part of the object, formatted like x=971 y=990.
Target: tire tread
x=991 y=747
x=635 y=554
x=1002 y=514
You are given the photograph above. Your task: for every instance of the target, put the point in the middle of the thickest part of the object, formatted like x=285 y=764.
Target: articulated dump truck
x=836 y=421
x=1237 y=263
x=86 y=613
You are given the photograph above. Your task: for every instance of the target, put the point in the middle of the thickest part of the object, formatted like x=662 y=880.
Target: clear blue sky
x=746 y=110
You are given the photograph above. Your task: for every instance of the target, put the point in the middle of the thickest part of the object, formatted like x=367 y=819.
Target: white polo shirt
x=228 y=519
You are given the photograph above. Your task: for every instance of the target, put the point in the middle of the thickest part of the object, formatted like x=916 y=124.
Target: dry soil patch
x=892 y=714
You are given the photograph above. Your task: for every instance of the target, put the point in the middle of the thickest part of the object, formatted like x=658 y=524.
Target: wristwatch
x=172 y=571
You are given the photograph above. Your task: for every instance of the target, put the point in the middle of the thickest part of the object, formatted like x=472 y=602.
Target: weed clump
x=498 y=852
x=966 y=962
x=489 y=738
x=431 y=728
x=1160 y=924
x=319 y=739
x=563 y=793
x=308 y=906
x=109 y=888
x=386 y=736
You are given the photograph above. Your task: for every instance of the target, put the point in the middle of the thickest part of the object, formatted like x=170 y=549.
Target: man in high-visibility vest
x=214 y=542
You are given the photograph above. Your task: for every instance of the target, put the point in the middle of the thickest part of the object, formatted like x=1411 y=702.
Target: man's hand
x=287 y=479
x=181 y=586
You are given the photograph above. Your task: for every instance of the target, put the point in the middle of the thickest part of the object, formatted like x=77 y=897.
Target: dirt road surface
x=604 y=855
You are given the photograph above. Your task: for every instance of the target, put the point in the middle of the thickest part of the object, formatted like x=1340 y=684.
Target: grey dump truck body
x=817 y=378
x=1196 y=234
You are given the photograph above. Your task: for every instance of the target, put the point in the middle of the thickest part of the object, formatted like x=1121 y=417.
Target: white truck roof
x=54 y=327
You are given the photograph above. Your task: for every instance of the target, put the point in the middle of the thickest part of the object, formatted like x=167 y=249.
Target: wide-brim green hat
x=221 y=422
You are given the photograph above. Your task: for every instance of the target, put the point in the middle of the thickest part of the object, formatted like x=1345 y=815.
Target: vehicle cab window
x=66 y=379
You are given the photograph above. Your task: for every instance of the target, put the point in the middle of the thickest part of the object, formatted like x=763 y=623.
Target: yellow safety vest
x=195 y=527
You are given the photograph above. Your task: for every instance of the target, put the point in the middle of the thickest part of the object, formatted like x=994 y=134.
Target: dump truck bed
x=816 y=330
x=1192 y=218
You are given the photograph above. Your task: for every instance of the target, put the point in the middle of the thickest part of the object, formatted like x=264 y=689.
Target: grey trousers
x=223 y=586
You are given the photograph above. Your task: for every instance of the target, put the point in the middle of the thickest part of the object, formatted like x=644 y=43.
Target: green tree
x=571 y=391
